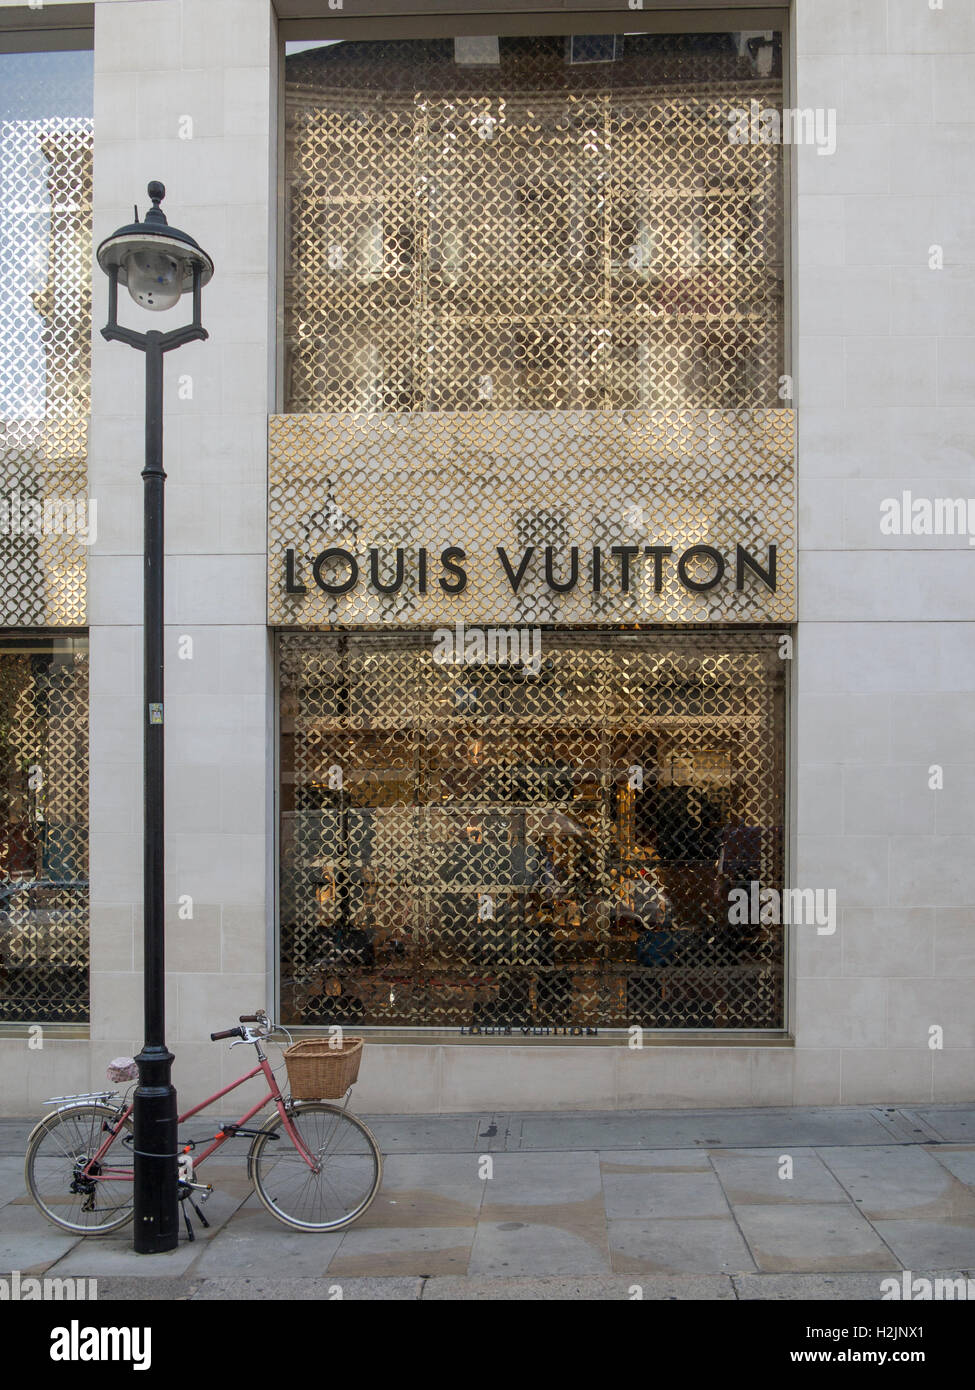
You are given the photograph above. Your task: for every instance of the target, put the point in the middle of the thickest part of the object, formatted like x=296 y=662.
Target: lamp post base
x=156 y=1164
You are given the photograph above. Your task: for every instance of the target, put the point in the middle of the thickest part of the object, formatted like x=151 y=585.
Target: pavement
x=776 y=1204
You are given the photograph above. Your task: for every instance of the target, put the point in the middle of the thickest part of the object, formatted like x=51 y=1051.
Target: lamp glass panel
x=155 y=279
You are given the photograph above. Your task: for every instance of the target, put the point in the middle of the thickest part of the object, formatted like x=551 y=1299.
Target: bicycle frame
x=274 y=1093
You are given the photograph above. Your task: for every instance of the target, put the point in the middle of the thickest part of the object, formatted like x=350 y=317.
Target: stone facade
x=884 y=366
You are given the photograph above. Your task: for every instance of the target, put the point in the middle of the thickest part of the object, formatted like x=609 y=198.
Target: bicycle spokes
x=339 y=1184
x=78 y=1192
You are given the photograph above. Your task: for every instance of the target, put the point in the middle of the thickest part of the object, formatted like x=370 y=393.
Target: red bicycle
x=314 y=1166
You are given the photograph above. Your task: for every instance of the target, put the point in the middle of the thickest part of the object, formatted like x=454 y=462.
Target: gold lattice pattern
x=45 y=286
x=536 y=235
x=44 y=844
x=487 y=846
x=535 y=485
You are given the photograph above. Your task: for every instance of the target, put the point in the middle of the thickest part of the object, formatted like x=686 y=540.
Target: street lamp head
x=156 y=262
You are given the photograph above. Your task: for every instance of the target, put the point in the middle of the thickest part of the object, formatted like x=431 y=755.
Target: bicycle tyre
x=76 y=1132
x=288 y=1189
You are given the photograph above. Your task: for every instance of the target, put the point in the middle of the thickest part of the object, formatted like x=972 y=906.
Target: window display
x=482 y=846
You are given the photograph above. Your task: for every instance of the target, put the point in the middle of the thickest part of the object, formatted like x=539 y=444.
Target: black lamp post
x=157 y=264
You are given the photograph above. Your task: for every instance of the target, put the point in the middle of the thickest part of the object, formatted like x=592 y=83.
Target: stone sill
x=51 y=1030
x=435 y=1037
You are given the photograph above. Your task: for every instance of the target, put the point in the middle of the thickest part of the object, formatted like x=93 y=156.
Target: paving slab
x=531 y=1247
x=548 y=1190
x=891 y=1183
x=390 y=1250
x=308 y=1290
x=755 y=1175
x=692 y=1245
x=807 y=1128
x=426 y=1133
x=115 y=1288
x=656 y=1161
x=542 y=1179
x=603 y=1132
x=631 y=1195
x=12 y=1182
x=839 y=1288
x=427 y=1190
x=13 y=1135
x=959 y=1161
x=689 y=1129
x=813 y=1237
x=952 y=1122
x=590 y=1288
x=904 y=1126
x=253 y=1242
x=29 y=1242
x=498 y=1133
x=96 y=1256
x=944 y=1242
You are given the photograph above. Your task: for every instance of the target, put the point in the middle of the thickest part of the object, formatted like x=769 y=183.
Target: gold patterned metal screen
x=496 y=846
x=538 y=233
x=45 y=284
x=43 y=829
x=534 y=355
x=563 y=493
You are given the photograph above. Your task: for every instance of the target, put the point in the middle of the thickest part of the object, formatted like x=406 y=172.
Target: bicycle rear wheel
x=59 y=1148
x=348 y=1168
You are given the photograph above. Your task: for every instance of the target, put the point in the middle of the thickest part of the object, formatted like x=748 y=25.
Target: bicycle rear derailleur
x=85 y=1183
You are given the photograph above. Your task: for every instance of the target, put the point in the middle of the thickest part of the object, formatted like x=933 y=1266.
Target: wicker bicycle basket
x=317 y=1070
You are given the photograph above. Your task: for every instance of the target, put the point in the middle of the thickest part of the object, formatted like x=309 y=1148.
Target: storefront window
x=46 y=524
x=533 y=347
x=545 y=223
x=43 y=829
x=498 y=846
x=45 y=326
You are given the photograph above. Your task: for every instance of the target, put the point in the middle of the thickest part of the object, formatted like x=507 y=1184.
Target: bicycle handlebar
x=265 y=1028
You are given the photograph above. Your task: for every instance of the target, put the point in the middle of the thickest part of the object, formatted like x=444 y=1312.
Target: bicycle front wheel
x=347 y=1171
x=59 y=1151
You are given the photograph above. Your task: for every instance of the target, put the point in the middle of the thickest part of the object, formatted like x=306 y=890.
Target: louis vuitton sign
x=338 y=571
x=569 y=518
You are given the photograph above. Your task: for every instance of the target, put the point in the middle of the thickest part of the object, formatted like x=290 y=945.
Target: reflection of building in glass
x=44 y=829
x=45 y=284
x=557 y=851
x=45 y=367
x=532 y=235
x=571 y=280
